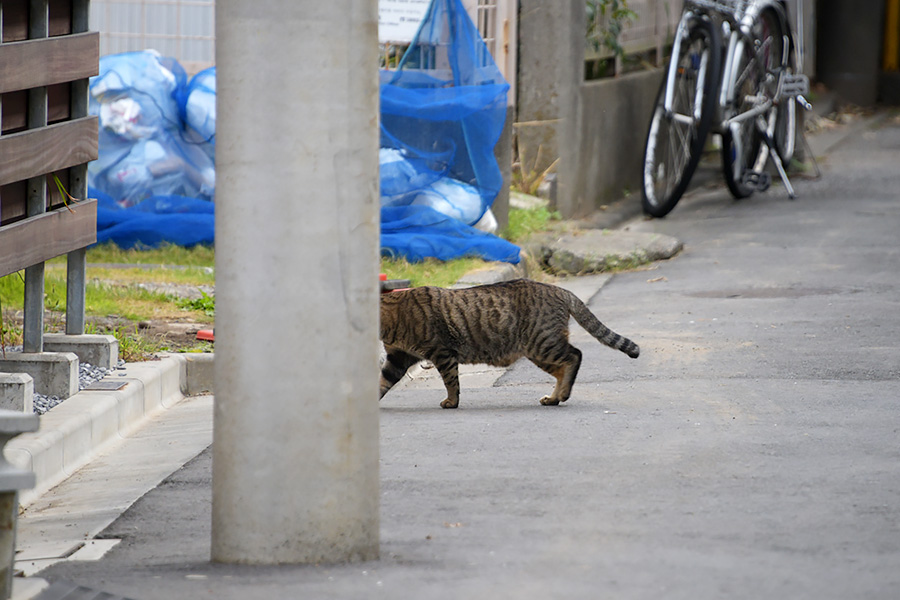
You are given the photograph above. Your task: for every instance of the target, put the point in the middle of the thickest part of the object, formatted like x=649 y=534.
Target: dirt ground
x=173 y=335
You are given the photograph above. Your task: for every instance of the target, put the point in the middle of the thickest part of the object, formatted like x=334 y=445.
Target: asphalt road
x=750 y=452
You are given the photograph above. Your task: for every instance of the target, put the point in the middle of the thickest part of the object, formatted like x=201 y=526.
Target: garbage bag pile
x=155 y=176
x=442 y=113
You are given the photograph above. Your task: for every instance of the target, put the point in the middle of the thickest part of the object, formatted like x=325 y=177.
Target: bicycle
x=747 y=93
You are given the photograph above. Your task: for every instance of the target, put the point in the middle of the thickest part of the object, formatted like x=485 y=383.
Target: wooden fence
x=46 y=58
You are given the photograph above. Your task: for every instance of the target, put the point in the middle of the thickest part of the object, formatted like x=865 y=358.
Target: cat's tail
x=604 y=334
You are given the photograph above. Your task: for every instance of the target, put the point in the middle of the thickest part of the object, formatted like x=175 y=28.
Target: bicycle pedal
x=758 y=181
x=794 y=84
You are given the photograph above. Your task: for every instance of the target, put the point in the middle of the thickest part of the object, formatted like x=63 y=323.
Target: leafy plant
x=205 y=303
x=606 y=19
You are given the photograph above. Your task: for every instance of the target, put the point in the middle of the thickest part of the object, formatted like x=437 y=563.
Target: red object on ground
x=208 y=335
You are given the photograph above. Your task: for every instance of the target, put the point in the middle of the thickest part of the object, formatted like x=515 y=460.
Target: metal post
x=33 y=329
x=296 y=369
x=76 y=262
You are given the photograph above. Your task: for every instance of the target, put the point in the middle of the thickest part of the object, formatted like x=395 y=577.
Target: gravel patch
x=87 y=374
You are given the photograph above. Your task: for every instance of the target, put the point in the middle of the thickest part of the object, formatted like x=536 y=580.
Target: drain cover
x=60 y=590
x=107 y=384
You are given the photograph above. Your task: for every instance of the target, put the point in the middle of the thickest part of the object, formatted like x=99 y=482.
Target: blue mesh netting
x=158 y=219
x=442 y=113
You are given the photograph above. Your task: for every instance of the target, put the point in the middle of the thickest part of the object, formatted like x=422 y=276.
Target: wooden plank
x=60 y=17
x=46 y=149
x=15 y=21
x=36 y=63
x=47 y=236
x=14 y=111
x=12 y=201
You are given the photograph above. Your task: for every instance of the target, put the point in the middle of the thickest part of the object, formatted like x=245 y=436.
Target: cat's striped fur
x=489 y=324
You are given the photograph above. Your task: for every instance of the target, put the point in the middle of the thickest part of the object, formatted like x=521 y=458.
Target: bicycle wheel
x=758 y=62
x=675 y=139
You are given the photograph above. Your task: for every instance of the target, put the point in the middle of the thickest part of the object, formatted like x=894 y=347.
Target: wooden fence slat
x=47 y=236
x=47 y=149
x=46 y=61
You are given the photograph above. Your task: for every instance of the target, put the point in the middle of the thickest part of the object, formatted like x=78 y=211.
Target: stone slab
x=596 y=251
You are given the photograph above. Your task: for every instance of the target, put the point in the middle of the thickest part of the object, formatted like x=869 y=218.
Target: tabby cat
x=489 y=324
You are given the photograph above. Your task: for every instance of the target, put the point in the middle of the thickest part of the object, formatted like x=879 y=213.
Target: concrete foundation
x=54 y=373
x=97 y=350
x=199 y=373
x=17 y=392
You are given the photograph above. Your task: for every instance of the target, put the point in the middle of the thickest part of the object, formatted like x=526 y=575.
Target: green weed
x=205 y=304
x=134 y=347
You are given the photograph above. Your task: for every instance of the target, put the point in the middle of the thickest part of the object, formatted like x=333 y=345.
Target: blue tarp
x=442 y=113
x=159 y=219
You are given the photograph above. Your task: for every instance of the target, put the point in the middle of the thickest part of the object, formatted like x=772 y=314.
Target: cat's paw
x=549 y=401
x=447 y=404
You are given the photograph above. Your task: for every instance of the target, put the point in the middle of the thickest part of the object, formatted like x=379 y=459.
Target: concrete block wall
x=612 y=129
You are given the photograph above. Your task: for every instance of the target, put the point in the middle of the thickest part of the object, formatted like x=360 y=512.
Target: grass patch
x=167 y=254
x=430 y=271
x=161 y=274
x=525 y=221
x=101 y=299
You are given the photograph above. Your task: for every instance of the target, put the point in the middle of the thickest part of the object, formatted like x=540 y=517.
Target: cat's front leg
x=448 y=367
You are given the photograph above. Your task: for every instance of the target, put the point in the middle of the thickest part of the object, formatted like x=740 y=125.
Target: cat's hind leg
x=395 y=367
x=448 y=366
x=565 y=369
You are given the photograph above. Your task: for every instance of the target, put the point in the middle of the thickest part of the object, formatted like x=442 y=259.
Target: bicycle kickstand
x=776 y=159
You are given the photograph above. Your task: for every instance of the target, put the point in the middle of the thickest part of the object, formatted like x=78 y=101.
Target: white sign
x=398 y=20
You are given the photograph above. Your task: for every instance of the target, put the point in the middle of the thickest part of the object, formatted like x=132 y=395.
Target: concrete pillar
x=12 y=479
x=295 y=458
x=550 y=73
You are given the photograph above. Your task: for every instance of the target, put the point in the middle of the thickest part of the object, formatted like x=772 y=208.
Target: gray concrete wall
x=612 y=128
x=595 y=128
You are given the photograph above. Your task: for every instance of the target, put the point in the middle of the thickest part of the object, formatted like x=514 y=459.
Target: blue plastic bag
x=198 y=109
x=142 y=151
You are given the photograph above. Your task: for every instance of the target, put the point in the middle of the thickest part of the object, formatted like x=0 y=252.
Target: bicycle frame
x=736 y=19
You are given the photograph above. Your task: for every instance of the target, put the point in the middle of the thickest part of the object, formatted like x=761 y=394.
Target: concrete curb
x=73 y=433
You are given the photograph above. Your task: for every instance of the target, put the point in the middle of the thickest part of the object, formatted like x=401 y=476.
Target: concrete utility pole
x=295 y=457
